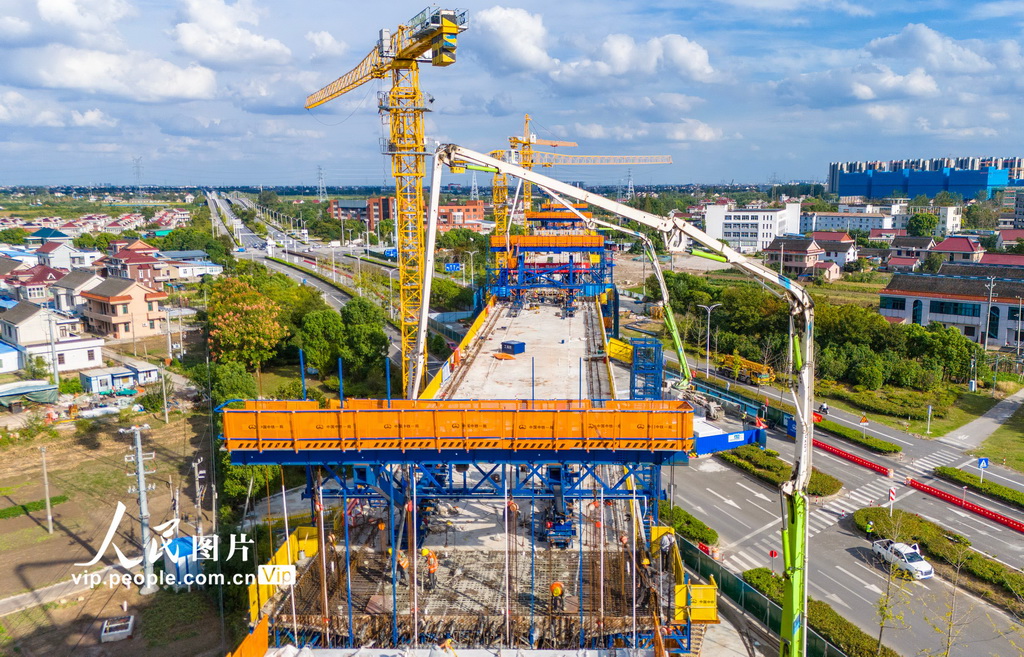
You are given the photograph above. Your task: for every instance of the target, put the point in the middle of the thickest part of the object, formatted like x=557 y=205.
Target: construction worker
x=557 y=596
x=403 y=566
x=432 y=565
x=447 y=648
x=668 y=539
x=870 y=528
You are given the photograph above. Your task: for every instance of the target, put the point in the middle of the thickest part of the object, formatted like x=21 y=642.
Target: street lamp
x=707 y=364
x=472 y=270
x=391 y=293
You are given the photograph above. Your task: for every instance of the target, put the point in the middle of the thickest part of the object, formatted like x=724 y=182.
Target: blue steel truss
x=587 y=279
x=647 y=370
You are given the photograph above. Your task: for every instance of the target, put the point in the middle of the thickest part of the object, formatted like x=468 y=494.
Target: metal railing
x=749 y=599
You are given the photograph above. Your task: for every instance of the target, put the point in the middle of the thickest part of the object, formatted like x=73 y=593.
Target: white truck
x=906 y=558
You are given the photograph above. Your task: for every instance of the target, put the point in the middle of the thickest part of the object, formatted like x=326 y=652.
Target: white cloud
x=851 y=8
x=92 y=118
x=1003 y=9
x=133 y=75
x=692 y=130
x=325 y=45
x=862 y=83
x=12 y=27
x=84 y=15
x=511 y=40
x=213 y=35
x=887 y=113
x=657 y=108
x=17 y=109
x=620 y=56
x=938 y=52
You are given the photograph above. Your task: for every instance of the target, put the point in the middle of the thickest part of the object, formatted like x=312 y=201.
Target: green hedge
x=686 y=525
x=1004 y=493
x=854 y=436
x=979 y=574
x=766 y=465
x=822 y=618
x=894 y=402
x=25 y=509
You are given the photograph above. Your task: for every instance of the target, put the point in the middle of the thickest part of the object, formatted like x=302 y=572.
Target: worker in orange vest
x=557 y=596
x=432 y=565
x=403 y=567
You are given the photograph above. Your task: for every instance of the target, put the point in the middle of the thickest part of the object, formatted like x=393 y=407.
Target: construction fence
x=749 y=599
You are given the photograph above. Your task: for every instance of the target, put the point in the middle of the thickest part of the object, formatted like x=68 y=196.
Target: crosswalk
x=876 y=493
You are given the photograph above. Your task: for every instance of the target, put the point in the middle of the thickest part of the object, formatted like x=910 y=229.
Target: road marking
x=759 y=495
x=723 y=498
x=875 y=573
x=870 y=602
x=869 y=586
x=836 y=599
x=755 y=532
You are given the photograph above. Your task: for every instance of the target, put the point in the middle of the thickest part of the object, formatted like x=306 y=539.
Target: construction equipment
x=676 y=232
x=399 y=54
x=743 y=370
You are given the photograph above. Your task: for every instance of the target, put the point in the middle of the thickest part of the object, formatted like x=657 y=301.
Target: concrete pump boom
x=801 y=309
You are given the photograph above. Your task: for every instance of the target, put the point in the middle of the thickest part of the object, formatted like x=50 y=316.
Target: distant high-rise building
x=965 y=175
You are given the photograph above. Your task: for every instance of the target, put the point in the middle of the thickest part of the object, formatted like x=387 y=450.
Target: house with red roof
x=1005 y=238
x=959 y=249
x=33 y=284
x=1011 y=259
x=61 y=255
x=886 y=234
x=139 y=266
x=903 y=263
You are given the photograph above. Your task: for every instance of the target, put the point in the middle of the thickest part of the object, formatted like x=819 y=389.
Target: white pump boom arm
x=801 y=308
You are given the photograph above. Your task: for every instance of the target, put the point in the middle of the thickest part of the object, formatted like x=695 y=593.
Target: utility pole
x=199 y=475
x=163 y=387
x=149 y=587
x=54 y=365
x=988 y=319
x=46 y=493
x=1018 y=326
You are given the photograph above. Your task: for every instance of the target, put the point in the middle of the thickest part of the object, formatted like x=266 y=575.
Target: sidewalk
x=46 y=594
x=975 y=432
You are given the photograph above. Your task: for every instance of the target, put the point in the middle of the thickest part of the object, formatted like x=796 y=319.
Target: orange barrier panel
x=640 y=428
x=467 y=404
x=276 y=405
x=553 y=241
x=256 y=643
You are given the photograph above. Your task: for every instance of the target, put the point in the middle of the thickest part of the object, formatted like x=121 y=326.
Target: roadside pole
x=46 y=493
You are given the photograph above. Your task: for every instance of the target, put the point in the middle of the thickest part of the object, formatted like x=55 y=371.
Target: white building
x=750 y=230
x=844 y=221
x=950 y=217
x=36 y=331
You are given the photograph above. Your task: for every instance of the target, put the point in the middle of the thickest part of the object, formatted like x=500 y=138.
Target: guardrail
x=969 y=506
x=853 y=458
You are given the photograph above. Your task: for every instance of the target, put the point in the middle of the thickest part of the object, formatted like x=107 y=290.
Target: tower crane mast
x=399 y=55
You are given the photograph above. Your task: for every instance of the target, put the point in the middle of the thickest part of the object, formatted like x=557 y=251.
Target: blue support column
x=647 y=370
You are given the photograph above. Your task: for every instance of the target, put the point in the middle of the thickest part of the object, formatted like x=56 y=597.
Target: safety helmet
x=646 y=561
x=425 y=552
x=390 y=551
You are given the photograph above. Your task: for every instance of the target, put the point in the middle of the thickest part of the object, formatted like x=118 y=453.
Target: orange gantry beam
x=512 y=425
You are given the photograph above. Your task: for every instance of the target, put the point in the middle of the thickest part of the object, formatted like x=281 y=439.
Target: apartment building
x=750 y=230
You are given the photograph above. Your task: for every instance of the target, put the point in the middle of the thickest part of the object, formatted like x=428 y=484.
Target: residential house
x=33 y=284
x=142 y=267
x=829 y=271
x=911 y=247
x=1006 y=238
x=950 y=217
x=67 y=292
x=959 y=249
x=1012 y=259
x=797 y=254
x=886 y=234
x=750 y=230
x=131 y=373
x=897 y=263
x=61 y=255
x=845 y=221
x=959 y=296
x=122 y=308
x=43 y=235
x=137 y=246
x=839 y=247
x=39 y=332
x=9 y=265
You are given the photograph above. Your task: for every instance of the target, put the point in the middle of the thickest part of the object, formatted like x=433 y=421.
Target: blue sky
x=211 y=91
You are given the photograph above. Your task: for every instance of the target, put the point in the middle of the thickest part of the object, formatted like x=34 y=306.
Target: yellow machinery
x=746 y=371
x=399 y=54
x=529 y=158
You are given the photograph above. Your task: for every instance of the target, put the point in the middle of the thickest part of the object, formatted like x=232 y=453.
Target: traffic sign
x=390 y=253
x=452 y=266
x=864 y=420
x=773 y=553
x=982 y=463
x=892 y=494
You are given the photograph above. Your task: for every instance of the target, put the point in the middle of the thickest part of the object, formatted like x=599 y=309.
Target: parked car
x=907 y=558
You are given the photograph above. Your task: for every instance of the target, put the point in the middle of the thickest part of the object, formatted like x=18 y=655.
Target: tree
x=932 y=262
x=920 y=201
x=952 y=623
x=13 y=235
x=981 y=216
x=895 y=594
x=293 y=390
x=1018 y=247
x=243 y=324
x=922 y=224
x=945 y=198
x=323 y=334
x=268 y=197
x=228 y=380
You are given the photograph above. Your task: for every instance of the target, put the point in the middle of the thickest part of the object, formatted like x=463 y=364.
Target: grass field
x=1006 y=444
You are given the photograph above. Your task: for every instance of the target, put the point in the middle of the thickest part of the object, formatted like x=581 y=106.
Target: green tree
x=945 y=198
x=228 y=380
x=243 y=324
x=922 y=224
x=1018 y=247
x=323 y=334
x=13 y=235
x=293 y=390
x=932 y=262
x=268 y=197
x=919 y=201
x=982 y=216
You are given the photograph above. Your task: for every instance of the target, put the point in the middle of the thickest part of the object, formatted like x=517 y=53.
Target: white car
x=907 y=558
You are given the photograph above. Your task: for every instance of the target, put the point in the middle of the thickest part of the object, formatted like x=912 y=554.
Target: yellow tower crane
x=529 y=158
x=400 y=54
